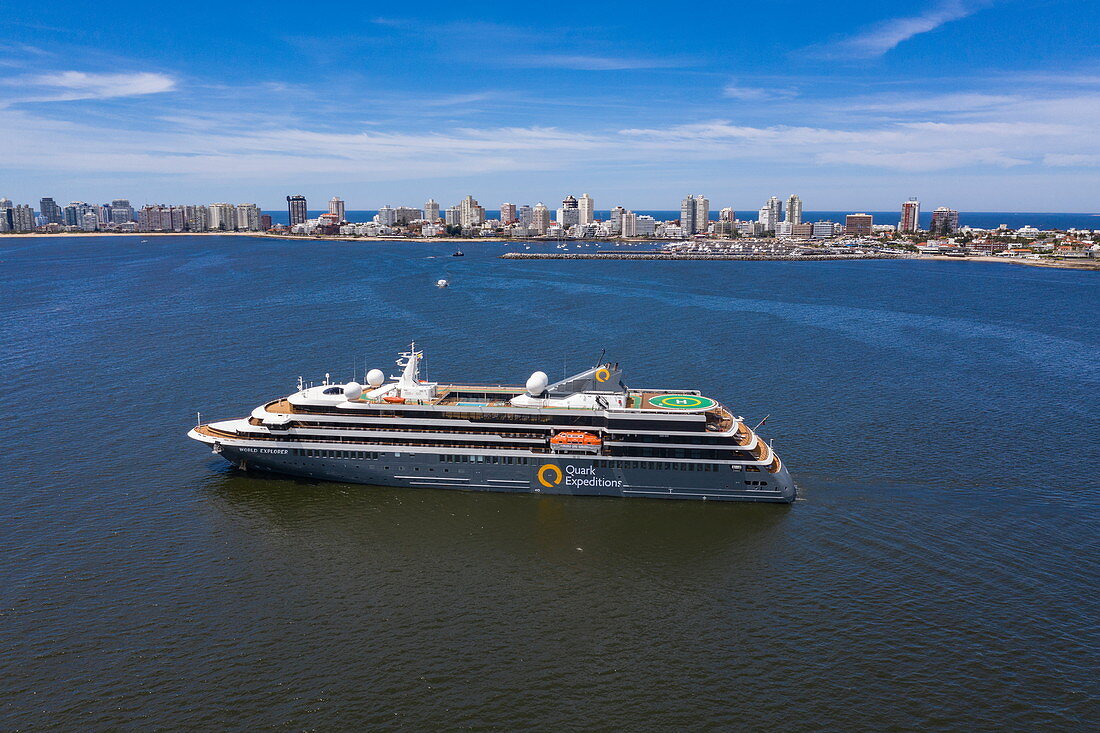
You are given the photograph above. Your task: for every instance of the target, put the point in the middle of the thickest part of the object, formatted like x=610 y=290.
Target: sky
x=982 y=105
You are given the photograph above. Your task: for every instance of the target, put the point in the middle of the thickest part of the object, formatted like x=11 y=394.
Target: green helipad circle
x=682 y=402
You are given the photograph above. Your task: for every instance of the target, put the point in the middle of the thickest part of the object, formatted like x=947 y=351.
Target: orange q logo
x=602 y=375
x=549 y=475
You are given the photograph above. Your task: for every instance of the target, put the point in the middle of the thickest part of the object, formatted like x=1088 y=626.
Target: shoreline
x=672 y=257
x=1078 y=264
x=1075 y=264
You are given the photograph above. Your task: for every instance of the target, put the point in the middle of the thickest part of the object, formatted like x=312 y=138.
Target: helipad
x=680 y=402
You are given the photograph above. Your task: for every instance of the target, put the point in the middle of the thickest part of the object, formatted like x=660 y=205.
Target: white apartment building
x=431 y=210
x=386 y=216
x=336 y=207
x=587 y=209
x=471 y=214
x=540 y=221
x=644 y=225
x=223 y=217
x=794 y=209
x=248 y=217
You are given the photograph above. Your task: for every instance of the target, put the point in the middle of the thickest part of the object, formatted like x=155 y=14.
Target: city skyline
x=576 y=218
x=976 y=100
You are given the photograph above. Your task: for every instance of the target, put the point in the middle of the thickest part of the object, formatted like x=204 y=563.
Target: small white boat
x=441 y=283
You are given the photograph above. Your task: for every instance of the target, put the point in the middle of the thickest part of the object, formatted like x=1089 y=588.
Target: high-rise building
x=526 y=215
x=910 y=216
x=507 y=213
x=776 y=206
x=687 y=214
x=615 y=219
x=73 y=214
x=431 y=210
x=89 y=222
x=49 y=209
x=644 y=225
x=569 y=213
x=296 y=207
x=265 y=222
x=336 y=207
x=386 y=216
x=702 y=215
x=629 y=224
x=767 y=219
x=727 y=214
x=453 y=217
x=472 y=214
x=403 y=215
x=178 y=219
x=945 y=221
x=22 y=218
x=858 y=225
x=223 y=217
x=587 y=208
x=794 y=209
x=197 y=218
x=154 y=218
x=248 y=217
x=7 y=216
x=121 y=211
x=770 y=214
x=540 y=218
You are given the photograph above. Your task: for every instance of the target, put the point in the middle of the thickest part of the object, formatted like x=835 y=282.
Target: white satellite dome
x=352 y=390
x=375 y=377
x=536 y=383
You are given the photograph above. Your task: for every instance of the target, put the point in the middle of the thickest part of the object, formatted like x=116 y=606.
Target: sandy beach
x=1083 y=264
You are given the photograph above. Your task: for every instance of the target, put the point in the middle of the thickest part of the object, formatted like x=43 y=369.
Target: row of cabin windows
x=658 y=465
x=692 y=453
x=509 y=460
x=355 y=455
x=503 y=432
x=688 y=439
x=597 y=464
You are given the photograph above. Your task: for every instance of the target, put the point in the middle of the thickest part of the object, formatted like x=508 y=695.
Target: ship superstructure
x=588 y=434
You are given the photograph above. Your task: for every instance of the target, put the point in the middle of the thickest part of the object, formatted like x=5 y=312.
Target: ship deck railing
x=758 y=453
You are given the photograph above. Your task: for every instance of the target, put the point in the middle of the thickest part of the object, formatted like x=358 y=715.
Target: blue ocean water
x=980 y=219
x=939 y=570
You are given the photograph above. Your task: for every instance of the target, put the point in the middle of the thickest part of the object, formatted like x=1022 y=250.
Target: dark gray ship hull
x=543 y=474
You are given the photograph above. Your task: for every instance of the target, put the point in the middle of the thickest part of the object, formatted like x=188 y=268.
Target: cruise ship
x=588 y=434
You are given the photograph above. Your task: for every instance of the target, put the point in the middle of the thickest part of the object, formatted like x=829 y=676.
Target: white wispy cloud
x=66 y=86
x=734 y=90
x=581 y=62
x=887 y=35
x=1073 y=160
x=217 y=138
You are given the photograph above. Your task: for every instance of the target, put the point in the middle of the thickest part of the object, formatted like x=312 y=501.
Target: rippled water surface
x=939 y=571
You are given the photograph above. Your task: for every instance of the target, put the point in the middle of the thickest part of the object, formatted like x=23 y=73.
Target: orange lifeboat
x=576 y=440
x=393 y=400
